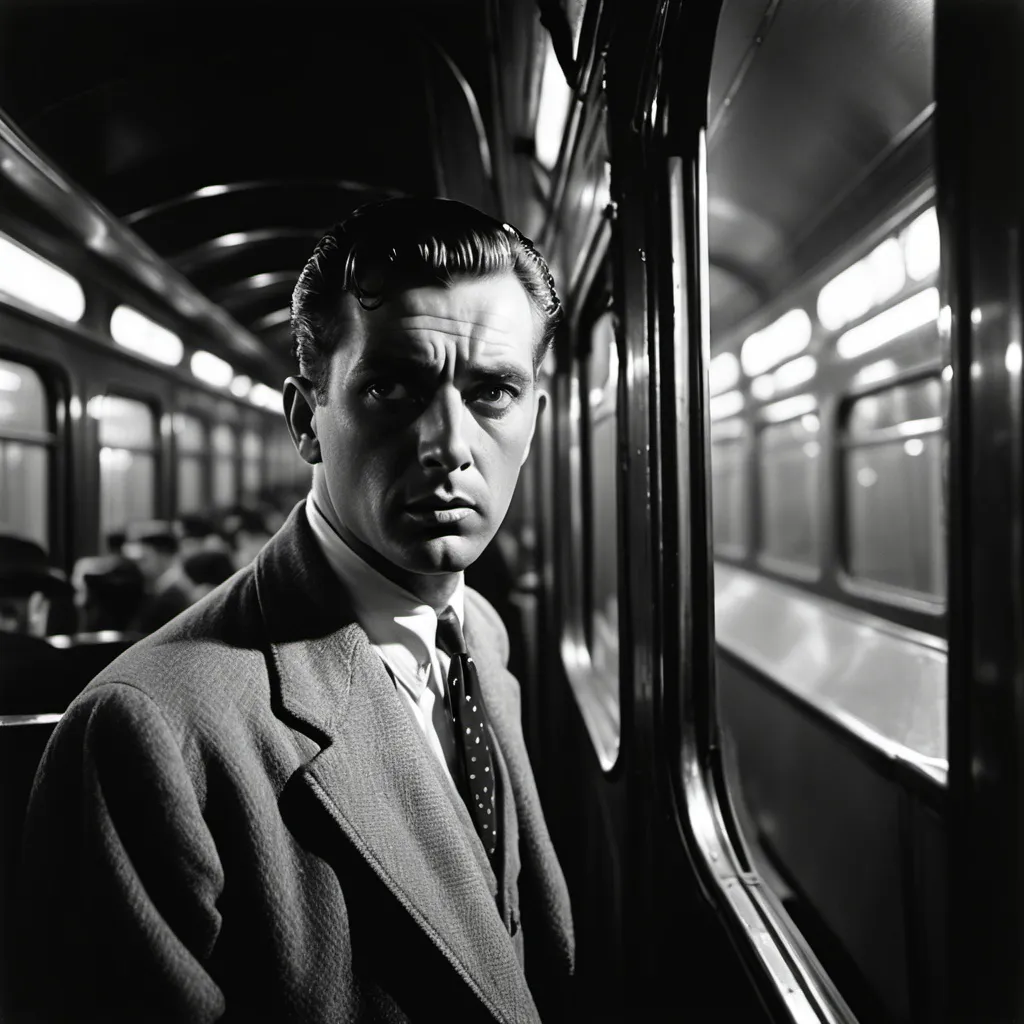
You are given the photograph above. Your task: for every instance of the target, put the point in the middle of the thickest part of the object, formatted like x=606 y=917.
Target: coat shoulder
x=212 y=656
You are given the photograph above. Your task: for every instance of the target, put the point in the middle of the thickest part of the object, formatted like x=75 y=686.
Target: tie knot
x=449 y=633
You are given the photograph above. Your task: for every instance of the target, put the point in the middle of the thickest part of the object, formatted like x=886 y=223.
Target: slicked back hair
x=388 y=246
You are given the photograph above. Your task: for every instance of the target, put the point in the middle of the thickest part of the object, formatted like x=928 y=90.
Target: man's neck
x=434 y=590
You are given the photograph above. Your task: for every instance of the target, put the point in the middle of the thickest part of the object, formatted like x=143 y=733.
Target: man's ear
x=542 y=401
x=299 y=407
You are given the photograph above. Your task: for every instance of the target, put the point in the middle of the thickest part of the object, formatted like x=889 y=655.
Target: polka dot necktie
x=472 y=736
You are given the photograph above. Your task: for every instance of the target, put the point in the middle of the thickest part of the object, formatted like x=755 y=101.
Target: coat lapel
x=374 y=774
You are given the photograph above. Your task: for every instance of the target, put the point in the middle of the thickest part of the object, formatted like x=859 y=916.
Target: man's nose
x=443 y=443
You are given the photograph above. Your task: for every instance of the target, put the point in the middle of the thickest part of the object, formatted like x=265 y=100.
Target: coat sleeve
x=120 y=875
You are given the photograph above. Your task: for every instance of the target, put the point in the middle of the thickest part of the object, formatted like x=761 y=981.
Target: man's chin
x=442 y=555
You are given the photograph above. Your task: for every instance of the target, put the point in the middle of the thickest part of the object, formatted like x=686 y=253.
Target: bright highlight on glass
x=905 y=316
x=723 y=372
x=913 y=447
x=763 y=387
x=784 y=338
x=31 y=279
x=796 y=371
x=725 y=405
x=921 y=246
x=131 y=330
x=211 y=369
x=868 y=283
x=875 y=373
x=789 y=408
x=552 y=111
x=265 y=398
x=9 y=380
x=241 y=386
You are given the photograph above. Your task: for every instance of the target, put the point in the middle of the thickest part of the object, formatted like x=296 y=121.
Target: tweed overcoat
x=240 y=820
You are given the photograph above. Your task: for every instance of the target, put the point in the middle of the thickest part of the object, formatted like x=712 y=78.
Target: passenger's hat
x=158 y=532
x=25 y=569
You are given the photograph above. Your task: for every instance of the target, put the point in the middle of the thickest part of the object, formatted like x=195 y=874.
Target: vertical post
x=979 y=51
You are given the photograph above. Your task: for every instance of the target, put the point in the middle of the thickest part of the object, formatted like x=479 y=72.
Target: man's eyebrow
x=506 y=373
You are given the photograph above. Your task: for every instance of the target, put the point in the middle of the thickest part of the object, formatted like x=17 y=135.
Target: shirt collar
x=396 y=621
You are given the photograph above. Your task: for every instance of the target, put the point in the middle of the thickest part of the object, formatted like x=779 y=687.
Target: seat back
x=23 y=739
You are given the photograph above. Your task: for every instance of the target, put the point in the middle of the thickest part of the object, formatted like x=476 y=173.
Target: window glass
x=893 y=489
x=729 y=487
x=252 y=463
x=225 y=467
x=602 y=381
x=190 y=433
x=127 y=435
x=790 y=454
x=25 y=444
x=23 y=406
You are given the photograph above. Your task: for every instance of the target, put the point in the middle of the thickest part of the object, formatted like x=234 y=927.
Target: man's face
x=430 y=408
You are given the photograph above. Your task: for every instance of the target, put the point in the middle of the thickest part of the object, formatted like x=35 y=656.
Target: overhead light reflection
x=723 y=372
x=785 y=337
x=725 y=405
x=917 y=311
x=921 y=246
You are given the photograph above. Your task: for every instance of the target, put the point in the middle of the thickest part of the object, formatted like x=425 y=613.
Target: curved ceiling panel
x=229 y=138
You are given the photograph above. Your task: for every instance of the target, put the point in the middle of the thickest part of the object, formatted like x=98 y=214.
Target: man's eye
x=497 y=397
x=389 y=391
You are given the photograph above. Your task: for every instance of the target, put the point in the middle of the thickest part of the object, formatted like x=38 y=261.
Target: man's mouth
x=440 y=509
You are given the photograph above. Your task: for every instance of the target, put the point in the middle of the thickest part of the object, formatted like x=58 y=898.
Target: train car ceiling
x=227 y=138
x=806 y=100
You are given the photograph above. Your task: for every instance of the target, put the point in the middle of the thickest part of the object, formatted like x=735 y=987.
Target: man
x=31 y=670
x=154 y=547
x=304 y=801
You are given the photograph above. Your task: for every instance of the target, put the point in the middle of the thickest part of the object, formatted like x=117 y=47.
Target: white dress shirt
x=402 y=629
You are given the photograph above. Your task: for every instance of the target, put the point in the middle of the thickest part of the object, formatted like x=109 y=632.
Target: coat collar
x=375 y=775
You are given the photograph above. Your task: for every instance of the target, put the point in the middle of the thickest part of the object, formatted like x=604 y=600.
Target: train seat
x=23 y=739
x=44 y=676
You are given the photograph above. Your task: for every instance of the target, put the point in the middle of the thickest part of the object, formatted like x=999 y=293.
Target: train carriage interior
x=758 y=573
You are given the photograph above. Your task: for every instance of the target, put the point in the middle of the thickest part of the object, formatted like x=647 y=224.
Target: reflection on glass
x=602 y=381
x=789 y=483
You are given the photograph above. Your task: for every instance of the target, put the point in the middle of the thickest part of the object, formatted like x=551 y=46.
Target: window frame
x=596 y=693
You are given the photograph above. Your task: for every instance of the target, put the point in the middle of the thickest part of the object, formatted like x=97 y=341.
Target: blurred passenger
x=197 y=533
x=248 y=530
x=206 y=570
x=115 y=541
x=109 y=591
x=28 y=584
x=153 y=547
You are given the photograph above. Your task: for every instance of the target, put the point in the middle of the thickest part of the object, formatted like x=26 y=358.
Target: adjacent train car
x=762 y=569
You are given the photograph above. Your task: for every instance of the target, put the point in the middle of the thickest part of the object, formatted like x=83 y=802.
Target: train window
x=25 y=443
x=729 y=487
x=602 y=378
x=894 y=520
x=252 y=463
x=225 y=467
x=190 y=432
x=128 y=451
x=788 y=476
